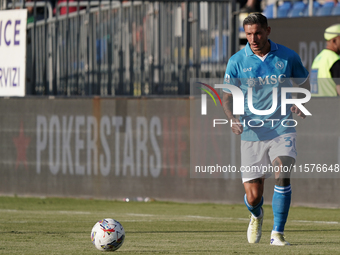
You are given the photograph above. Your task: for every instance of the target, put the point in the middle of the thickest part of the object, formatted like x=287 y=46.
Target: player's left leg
x=281 y=198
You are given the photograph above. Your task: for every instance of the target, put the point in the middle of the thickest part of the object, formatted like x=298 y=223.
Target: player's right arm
x=230 y=77
x=227 y=102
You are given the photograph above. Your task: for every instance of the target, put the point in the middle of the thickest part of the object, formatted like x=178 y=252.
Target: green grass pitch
x=63 y=226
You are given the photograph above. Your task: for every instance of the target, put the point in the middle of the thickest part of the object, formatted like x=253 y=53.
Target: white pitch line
x=173 y=217
x=31 y=211
x=215 y=218
x=36 y=221
x=73 y=212
x=199 y=217
x=142 y=215
x=321 y=222
x=8 y=210
x=246 y=219
x=137 y=221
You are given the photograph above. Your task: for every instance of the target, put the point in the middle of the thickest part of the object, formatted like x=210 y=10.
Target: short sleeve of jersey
x=299 y=72
x=230 y=76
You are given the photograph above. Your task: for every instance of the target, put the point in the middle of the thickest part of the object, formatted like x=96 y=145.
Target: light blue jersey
x=245 y=69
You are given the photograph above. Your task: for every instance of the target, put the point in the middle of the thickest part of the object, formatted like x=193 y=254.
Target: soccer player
x=266 y=140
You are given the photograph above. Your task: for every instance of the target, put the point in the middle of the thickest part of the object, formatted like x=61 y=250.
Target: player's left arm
x=300 y=71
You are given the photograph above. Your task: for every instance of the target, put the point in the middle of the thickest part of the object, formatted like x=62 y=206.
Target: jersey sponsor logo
x=279 y=65
x=252 y=82
x=247 y=69
x=267 y=80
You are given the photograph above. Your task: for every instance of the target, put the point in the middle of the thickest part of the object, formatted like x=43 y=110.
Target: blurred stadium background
x=106 y=108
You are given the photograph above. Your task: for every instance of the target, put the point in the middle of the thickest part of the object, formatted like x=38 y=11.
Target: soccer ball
x=107 y=235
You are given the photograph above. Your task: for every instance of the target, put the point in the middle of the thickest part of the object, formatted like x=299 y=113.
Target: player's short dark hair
x=256 y=18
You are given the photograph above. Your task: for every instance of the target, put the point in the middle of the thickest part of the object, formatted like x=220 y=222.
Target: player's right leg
x=254 y=201
x=253 y=157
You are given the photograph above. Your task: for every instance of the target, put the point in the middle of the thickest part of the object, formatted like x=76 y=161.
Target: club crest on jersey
x=279 y=65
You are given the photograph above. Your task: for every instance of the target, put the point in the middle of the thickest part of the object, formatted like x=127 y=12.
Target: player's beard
x=259 y=48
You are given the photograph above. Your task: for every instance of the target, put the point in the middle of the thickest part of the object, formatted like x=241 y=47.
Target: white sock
x=274 y=232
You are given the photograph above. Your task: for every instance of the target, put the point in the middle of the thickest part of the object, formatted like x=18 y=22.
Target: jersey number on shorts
x=290 y=142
